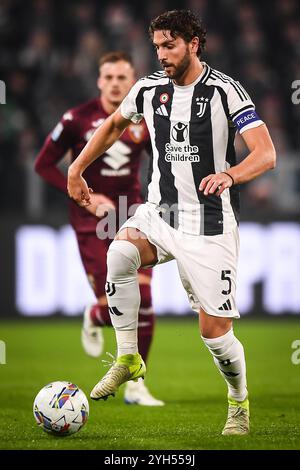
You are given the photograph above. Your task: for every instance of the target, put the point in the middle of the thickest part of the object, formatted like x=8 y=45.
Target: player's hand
x=78 y=188
x=215 y=184
x=100 y=205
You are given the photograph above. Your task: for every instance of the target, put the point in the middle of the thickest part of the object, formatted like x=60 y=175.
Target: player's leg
x=146 y=314
x=228 y=355
x=95 y=317
x=93 y=256
x=93 y=253
x=216 y=315
x=99 y=315
x=137 y=392
x=129 y=251
x=208 y=267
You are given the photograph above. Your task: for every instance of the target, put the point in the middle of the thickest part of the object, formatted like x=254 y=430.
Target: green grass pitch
x=180 y=371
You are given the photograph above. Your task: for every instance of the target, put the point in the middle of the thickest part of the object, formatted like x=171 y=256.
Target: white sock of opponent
x=123 y=293
x=228 y=355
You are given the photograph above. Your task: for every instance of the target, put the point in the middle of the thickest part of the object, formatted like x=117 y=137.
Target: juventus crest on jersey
x=192 y=131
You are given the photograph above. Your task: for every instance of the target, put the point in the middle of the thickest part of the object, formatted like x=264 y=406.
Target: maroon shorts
x=93 y=255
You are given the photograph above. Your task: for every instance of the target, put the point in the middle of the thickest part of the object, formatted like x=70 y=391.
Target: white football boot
x=124 y=368
x=91 y=336
x=237 y=423
x=137 y=393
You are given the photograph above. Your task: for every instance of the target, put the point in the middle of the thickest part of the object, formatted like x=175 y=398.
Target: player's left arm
x=262 y=157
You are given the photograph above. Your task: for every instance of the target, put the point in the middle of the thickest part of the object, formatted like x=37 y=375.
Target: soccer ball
x=61 y=408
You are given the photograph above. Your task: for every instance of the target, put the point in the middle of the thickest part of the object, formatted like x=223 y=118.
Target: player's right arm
x=62 y=138
x=54 y=149
x=104 y=137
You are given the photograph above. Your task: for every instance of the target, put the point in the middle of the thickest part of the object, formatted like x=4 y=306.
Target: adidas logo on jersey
x=162 y=110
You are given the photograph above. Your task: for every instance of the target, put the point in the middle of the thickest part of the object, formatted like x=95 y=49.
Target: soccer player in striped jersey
x=114 y=175
x=192 y=112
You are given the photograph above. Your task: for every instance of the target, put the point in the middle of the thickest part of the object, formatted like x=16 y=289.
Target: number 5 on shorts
x=225 y=276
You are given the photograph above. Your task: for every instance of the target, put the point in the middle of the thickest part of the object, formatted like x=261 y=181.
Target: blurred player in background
x=113 y=175
x=192 y=113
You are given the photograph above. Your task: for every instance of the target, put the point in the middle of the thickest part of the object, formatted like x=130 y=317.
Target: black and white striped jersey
x=192 y=132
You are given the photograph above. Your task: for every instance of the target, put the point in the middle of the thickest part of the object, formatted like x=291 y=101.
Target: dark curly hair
x=180 y=23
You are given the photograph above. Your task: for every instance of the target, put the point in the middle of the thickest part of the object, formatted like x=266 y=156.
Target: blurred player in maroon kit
x=114 y=174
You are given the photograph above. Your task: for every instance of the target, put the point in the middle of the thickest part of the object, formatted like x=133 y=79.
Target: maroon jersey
x=115 y=173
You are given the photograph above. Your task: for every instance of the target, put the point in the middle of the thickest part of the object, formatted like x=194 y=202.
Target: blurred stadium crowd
x=49 y=53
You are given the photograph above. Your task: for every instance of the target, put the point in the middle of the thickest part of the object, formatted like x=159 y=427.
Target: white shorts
x=207 y=264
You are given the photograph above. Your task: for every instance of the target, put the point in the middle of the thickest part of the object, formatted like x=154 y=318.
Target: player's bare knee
x=213 y=326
